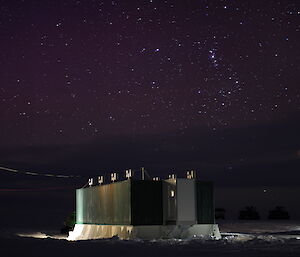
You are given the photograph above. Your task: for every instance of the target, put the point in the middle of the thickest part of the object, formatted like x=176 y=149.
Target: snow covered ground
x=245 y=239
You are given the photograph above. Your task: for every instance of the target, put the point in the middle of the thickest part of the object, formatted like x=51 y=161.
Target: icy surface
x=238 y=239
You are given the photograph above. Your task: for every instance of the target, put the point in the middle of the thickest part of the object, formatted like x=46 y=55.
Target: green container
x=106 y=204
x=127 y=202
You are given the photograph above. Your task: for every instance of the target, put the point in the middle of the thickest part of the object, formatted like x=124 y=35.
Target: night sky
x=90 y=86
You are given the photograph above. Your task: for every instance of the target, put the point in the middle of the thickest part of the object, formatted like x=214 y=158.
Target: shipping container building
x=146 y=208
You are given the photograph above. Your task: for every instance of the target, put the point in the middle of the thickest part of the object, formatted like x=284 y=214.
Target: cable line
x=32 y=173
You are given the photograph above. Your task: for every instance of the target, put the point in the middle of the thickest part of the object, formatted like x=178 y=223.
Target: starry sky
x=74 y=71
x=171 y=85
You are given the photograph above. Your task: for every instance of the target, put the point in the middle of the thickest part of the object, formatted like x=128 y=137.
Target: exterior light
x=191 y=174
x=128 y=173
x=172 y=176
x=172 y=193
x=113 y=177
x=100 y=180
x=91 y=181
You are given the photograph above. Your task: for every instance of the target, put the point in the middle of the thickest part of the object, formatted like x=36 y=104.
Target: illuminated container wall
x=79 y=206
x=106 y=204
x=121 y=203
x=205 y=202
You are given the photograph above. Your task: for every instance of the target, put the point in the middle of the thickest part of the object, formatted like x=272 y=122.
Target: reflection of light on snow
x=76 y=233
x=40 y=235
x=276 y=237
x=34 y=235
x=236 y=237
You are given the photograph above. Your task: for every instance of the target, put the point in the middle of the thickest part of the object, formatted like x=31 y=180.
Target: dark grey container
x=205 y=202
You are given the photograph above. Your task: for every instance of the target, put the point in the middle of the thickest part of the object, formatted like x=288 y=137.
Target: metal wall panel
x=169 y=201
x=186 y=202
x=79 y=206
x=122 y=203
x=146 y=202
x=205 y=202
x=106 y=204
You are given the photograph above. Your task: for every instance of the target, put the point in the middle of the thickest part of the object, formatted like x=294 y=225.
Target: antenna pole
x=143 y=173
